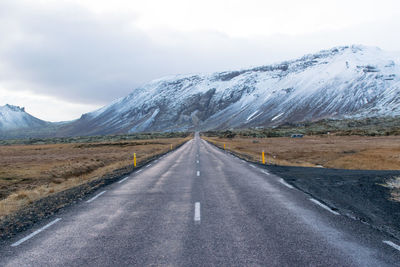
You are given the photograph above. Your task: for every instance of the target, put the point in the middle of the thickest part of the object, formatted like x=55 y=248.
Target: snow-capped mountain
x=343 y=82
x=350 y=81
x=14 y=117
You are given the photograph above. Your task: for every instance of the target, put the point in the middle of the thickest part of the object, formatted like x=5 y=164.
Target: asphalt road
x=199 y=206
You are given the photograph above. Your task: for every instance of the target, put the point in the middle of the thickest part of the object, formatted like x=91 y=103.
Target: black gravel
x=356 y=193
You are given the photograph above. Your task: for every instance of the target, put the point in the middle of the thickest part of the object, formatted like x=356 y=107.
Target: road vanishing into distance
x=200 y=206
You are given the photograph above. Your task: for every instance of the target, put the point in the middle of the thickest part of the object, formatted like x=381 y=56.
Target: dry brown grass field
x=30 y=172
x=344 y=152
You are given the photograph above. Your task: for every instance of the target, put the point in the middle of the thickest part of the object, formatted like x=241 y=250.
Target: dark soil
x=356 y=193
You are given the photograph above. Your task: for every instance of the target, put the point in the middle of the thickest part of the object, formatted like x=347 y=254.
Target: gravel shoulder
x=359 y=194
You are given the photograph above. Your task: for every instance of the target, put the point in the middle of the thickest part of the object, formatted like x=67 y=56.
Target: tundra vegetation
x=31 y=169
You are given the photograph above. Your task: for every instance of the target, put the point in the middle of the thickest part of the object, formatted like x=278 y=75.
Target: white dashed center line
x=324 y=206
x=393 y=245
x=197 y=161
x=197 y=212
x=123 y=179
x=286 y=184
x=34 y=233
x=96 y=196
x=198 y=173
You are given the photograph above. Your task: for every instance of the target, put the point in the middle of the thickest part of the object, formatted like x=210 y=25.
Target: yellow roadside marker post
x=171 y=146
x=134 y=160
x=224 y=146
x=263 y=157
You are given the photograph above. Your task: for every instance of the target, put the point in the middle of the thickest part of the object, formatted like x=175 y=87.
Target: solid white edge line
x=285 y=184
x=138 y=171
x=35 y=233
x=197 y=212
x=393 y=245
x=148 y=165
x=253 y=166
x=265 y=172
x=123 y=179
x=324 y=206
x=198 y=173
x=96 y=196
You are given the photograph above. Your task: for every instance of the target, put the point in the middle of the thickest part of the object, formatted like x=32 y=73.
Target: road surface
x=200 y=206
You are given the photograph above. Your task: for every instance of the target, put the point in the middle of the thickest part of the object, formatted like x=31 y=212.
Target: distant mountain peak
x=14 y=108
x=14 y=117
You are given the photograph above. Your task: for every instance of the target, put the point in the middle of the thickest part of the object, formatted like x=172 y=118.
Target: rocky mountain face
x=351 y=82
x=343 y=82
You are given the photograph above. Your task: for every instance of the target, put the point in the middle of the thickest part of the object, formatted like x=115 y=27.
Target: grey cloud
x=68 y=52
x=75 y=55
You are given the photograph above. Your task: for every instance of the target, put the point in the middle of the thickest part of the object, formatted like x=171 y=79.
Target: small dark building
x=297 y=136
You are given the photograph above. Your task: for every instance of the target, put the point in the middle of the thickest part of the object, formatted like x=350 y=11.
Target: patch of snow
x=277 y=116
x=143 y=125
x=254 y=113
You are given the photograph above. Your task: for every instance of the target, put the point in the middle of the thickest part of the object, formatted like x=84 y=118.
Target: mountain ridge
x=343 y=82
x=15 y=117
x=315 y=86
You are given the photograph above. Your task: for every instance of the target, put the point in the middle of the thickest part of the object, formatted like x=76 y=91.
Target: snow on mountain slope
x=354 y=81
x=13 y=117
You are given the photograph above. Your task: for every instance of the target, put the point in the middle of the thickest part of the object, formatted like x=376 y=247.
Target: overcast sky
x=62 y=58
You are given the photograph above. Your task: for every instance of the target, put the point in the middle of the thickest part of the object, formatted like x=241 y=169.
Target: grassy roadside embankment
x=32 y=172
x=328 y=151
x=339 y=152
